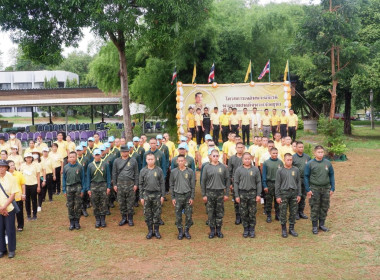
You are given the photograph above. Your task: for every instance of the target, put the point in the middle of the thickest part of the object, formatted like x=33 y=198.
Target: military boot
x=252 y=232
x=77 y=225
x=245 y=232
x=130 y=220
x=269 y=217
x=322 y=225
x=315 y=227
x=212 y=233
x=219 y=232
x=161 y=222
x=187 y=233
x=72 y=224
x=180 y=233
x=303 y=216
x=123 y=220
x=150 y=232
x=284 y=233
x=103 y=221
x=97 y=223
x=84 y=212
x=157 y=232
x=238 y=219
x=297 y=216
x=292 y=231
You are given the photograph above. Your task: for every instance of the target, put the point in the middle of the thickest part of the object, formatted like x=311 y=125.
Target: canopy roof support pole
x=92 y=114
x=50 y=115
x=66 y=118
x=102 y=113
x=32 y=114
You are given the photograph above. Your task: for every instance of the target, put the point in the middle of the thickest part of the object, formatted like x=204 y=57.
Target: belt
x=74 y=184
x=153 y=192
x=255 y=125
x=247 y=191
x=266 y=125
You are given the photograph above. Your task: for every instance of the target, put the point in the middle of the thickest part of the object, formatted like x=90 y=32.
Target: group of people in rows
x=271 y=171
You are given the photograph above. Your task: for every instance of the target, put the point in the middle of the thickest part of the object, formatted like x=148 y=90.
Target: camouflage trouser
x=182 y=204
x=112 y=197
x=215 y=207
x=99 y=198
x=236 y=205
x=269 y=198
x=319 y=202
x=302 y=204
x=74 y=201
x=289 y=200
x=126 y=197
x=152 y=208
x=248 y=208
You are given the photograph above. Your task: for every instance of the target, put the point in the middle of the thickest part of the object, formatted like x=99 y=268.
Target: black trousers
x=235 y=128
x=7 y=224
x=283 y=131
x=199 y=135
x=274 y=130
x=42 y=194
x=245 y=132
x=20 y=215
x=215 y=134
x=292 y=132
x=57 y=182
x=192 y=130
x=31 y=199
x=206 y=131
x=49 y=186
x=225 y=131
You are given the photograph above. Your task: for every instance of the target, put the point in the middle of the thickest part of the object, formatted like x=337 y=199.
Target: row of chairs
x=52 y=135
x=62 y=127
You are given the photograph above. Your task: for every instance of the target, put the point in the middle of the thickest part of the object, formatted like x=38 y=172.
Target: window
x=6 y=110
x=22 y=85
x=24 y=109
x=5 y=86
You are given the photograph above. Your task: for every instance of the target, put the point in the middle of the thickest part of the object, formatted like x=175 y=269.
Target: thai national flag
x=174 y=74
x=265 y=70
x=211 y=76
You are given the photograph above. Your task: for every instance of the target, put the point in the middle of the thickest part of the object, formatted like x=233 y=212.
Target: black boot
x=161 y=222
x=77 y=225
x=212 y=233
x=84 y=212
x=238 y=219
x=284 y=233
x=315 y=227
x=245 y=232
x=98 y=222
x=269 y=218
x=108 y=212
x=150 y=232
x=123 y=220
x=322 y=225
x=303 y=216
x=187 y=233
x=276 y=217
x=297 y=216
x=207 y=223
x=292 y=231
x=157 y=232
x=252 y=232
x=103 y=221
x=72 y=224
x=180 y=233
x=219 y=232
x=130 y=220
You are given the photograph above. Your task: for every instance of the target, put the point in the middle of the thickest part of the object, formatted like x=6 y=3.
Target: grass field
x=351 y=250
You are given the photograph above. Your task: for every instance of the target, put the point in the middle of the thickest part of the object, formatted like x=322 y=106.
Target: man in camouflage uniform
x=98 y=186
x=215 y=184
x=247 y=188
x=84 y=161
x=152 y=192
x=182 y=188
x=125 y=176
x=73 y=188
x=320 y=186
x=288 y=194
x=234 y=162
x=189 y=161
x=137 y=153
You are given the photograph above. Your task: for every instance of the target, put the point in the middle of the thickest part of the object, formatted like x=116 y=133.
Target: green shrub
x=113 y=130
x=43 y=114
x=333 y=135
x=300 y=123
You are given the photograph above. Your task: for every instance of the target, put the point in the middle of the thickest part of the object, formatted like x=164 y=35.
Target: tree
x=45 y=26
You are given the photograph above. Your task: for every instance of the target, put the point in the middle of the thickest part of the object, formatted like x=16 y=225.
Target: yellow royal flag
x=194 y=73
x=248 y=72
x=286 y=70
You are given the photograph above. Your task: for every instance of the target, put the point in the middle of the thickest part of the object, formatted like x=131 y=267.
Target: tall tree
x=45 y=26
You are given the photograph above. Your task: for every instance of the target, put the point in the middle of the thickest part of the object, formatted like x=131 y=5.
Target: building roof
x=56 y=97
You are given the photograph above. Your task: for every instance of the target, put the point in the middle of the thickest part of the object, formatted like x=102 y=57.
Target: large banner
x=248 y=95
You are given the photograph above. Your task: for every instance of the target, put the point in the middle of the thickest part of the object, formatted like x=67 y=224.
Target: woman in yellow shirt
x=37 y=160
x=20 y=195
x=47 y=165
x=40 y=144
x=57 y=160
x=31 y=147
x=32 y=184
x=15 y=157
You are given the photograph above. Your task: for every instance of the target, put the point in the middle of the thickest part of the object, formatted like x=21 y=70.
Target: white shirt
x=256 y=119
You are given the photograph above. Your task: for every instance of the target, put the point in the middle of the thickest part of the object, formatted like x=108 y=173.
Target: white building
x=30 y=80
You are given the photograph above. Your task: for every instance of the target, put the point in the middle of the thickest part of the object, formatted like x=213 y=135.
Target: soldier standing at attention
x=320 y=186
x=269 y=171
x=288 y=194
x=182 y=188
x=84 y=161
x=247 y=188
x=300 y=159
x=125 y=177
x=215 y=184
x=152 y=193
x=99 y=186
x=233 y=163
x=73 y=187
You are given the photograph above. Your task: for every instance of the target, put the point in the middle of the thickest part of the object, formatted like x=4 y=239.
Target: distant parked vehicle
x=340 y=116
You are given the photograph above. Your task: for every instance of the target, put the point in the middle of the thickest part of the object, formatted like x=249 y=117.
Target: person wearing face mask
x=13 y=141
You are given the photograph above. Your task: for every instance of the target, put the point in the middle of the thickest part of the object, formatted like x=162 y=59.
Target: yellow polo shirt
x=146 y=146
x=215 y=118
x=265 y=119
x=62 y=148
x=40 y=146
x=192 y=148
x=97 y=145
x=224 y=119
x=190 y=118
x=252 y=149
x=234 y=119
x=203 y=147
x=259 y=152
x=292 y=119
x=56 y=158
x=18 y=160
x=283 y=119
x=4 y=147
x=171 y=147
x=30 y=173
x=47 y=164
x=198 y=118
x=285 y=149
x=277 y=144
x=274 y=120
x=71 y=146
x=10 y=187
x=19 y=181
x=245 y=119
x=226 y=147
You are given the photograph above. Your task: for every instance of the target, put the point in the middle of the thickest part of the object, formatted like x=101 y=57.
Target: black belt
x=247 y=191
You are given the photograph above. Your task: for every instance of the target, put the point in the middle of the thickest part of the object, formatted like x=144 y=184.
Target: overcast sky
x=6 y=45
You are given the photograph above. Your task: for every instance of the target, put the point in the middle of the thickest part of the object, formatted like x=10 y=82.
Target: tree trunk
x=334 y=84
x=347 y=113
x=125 y=93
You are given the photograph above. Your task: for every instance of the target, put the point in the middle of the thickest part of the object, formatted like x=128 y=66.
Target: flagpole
x=175 y=62
x=288 y=71
x=269 y=69
x=250 y=63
